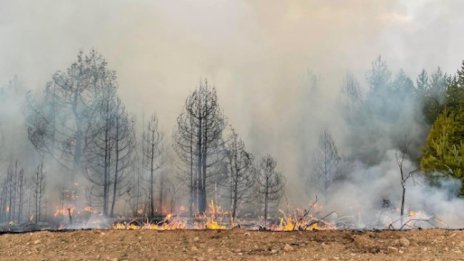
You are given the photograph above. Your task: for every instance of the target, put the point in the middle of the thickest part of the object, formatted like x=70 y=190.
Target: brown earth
x=233 y=245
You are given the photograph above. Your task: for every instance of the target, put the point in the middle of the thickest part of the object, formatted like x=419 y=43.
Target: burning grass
x=315 y=217
x=217 y=219
x=213 y=219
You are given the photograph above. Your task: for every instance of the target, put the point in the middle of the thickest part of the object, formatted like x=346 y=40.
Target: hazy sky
x=256 y=52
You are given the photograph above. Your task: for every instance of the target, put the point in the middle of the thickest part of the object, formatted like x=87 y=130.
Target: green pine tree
x=444 y=148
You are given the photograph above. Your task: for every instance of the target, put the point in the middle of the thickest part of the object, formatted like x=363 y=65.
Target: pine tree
x=444 y=149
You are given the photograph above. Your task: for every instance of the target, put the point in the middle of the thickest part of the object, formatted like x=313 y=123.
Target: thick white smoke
x=371 y=197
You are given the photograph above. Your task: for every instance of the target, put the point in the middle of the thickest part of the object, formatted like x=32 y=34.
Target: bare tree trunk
x=192 y=178
x=203 y=178
x=21 y=194
x=199 y=188
x=402 y=204
x=234 y=206
x=266 y=198
x=161 y=180
x=152 y=176
x=152 y=154
x=400 y=157
x=116 y=167
x=39 y=184
x=403 y=194
x=107 y=162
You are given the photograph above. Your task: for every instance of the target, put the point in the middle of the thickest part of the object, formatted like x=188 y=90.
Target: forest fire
x=242 y=130
x=126 y=178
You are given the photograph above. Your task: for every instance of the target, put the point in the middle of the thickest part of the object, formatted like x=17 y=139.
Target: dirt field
x=233 y=245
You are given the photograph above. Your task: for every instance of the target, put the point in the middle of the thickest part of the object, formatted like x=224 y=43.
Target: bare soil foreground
x=233 y=245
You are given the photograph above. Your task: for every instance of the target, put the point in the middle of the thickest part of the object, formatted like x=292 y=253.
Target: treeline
x=22 y=197
x=390 y=112
x=107 y=159
x=80 y=122
x=423 y=119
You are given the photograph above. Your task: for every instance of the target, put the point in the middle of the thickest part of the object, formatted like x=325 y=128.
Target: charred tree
x=270 y=183
x=152 y=153
x=185 y=146
x=21 y=192
x=99 y=153
x=13 y=191
x=325 y=162
x=199 y=141
x=110 y=153
x=240 y=171
x=124 y=147
x=60 y=123
x=38 y=183
x=401 y=155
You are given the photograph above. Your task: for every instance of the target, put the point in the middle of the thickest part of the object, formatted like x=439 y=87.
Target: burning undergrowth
x=425 y=206
x=355 y=203
x=215 y=219
x=127 y=179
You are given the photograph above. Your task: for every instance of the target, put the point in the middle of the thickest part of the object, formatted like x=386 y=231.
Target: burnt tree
x=270 y=183
x=124 y=147
x=184 y=145
x=38 y=183
x=401 y=156
x=99 y=153
x=325 y=162
x=60 y=122
x=110 y=153
x=240 y=177
x=199 y=142
x=152 y=158
x=13 y=191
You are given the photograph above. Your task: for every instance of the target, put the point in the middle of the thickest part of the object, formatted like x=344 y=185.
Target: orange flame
x=64 y=211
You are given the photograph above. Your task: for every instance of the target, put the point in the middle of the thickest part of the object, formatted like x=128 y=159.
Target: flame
x=417 y=214
x=211 y=217
x=89 y=209
x=292 y=224
x=215 y=218
x=214 y=225
x=168 y=223
x=119 y=226
x=315 y=226
x=304 y=219
x=209 y=220
x=64 y=211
